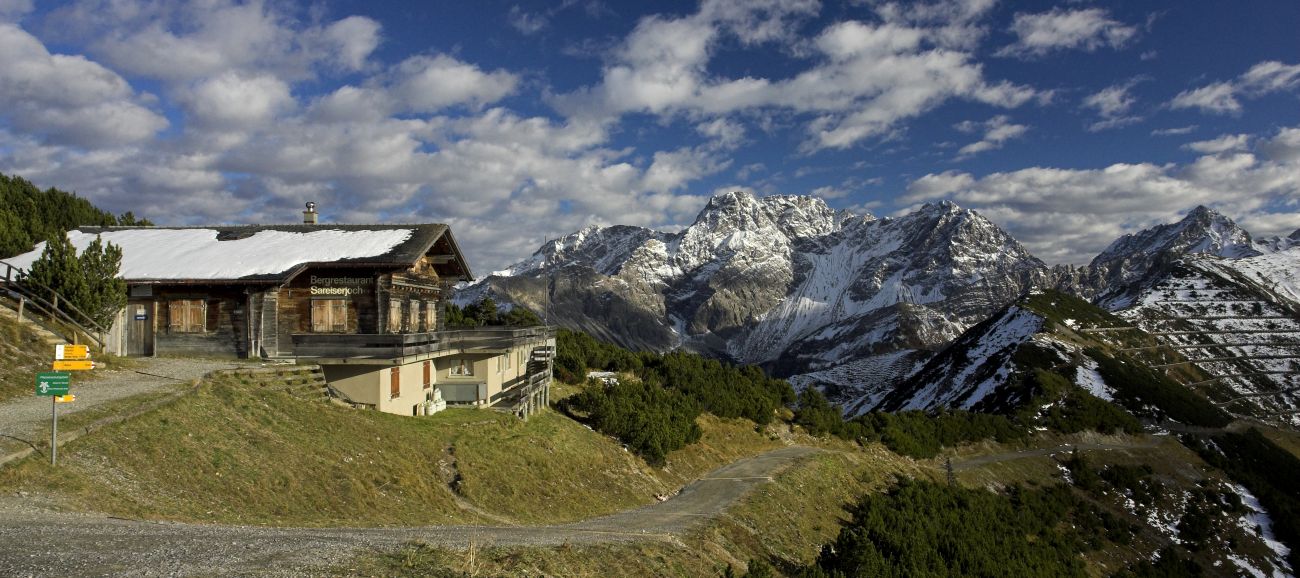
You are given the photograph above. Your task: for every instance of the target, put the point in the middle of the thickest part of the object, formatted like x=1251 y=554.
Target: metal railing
x=395 y=345
x=52 y=311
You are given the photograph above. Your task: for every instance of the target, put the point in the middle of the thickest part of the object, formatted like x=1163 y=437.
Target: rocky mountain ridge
x=849 y=303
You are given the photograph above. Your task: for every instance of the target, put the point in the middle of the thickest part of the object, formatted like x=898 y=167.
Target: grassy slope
x=23 y=355
x=783 y=523
x=232 y=453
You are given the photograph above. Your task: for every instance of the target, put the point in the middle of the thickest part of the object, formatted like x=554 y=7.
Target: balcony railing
x=397 y=345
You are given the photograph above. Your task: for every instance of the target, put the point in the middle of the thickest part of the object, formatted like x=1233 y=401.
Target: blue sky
x=1068 y=124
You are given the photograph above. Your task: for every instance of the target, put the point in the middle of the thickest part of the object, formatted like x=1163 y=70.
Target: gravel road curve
x=37 y=542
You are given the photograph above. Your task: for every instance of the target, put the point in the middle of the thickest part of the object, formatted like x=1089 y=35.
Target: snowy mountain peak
x=792 y=215
x=1203 y=231
x=1134 y=257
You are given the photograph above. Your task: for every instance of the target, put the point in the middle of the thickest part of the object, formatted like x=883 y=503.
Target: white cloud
x=13 y=10
x=184 y=42
x=948 y=23
x=1219 y=98
x=1069 y=215
x=829 y=192
x=232 y=101
x=1087 y=29
x=673 y=170
x=997 y=131
x=1179 y=130
x=352 y=40
x=1271 y=76
x=1113 y=104
x=1222 y=97
x=1225 y=143
x=68 y=99
x=867 y=78
x=725 y=134
x=527 y=23
x=428 y=84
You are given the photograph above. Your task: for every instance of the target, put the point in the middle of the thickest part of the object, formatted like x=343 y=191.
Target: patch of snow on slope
x=1258 y=523
x=1087 y=377
x=1014 y=329
x=1278 y=271
x=995 y=345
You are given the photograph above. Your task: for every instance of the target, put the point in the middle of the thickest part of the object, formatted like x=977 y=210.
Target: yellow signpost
x=55 y=385
x=65 y=351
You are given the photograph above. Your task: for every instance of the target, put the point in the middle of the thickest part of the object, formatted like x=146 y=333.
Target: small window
x=395 y=382
x=461 y=367
x=188 y=315
x=428 y=374
x=430 y=316
x=329 y=316
x=413 y=317
x=394 y=315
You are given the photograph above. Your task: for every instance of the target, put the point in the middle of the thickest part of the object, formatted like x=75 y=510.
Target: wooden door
x=139 y=328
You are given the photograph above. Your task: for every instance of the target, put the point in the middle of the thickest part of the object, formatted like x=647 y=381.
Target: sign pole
x=54 y=432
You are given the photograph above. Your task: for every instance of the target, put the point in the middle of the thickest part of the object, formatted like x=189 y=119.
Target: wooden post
x=21 y=301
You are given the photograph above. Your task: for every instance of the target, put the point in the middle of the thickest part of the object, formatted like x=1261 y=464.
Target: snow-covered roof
x=252 y=253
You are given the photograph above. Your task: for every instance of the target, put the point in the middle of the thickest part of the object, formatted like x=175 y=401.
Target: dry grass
x=236 y=453
x=782 y=523
x=22 y=355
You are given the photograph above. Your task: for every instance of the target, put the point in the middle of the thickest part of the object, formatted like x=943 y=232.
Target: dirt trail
x=37 y=542
x=977 y=461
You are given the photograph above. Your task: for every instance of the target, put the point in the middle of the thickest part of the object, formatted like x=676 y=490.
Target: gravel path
x=25 y=419
x=37 y=542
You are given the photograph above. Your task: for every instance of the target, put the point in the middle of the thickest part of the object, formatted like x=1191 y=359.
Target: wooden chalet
x=362 y=301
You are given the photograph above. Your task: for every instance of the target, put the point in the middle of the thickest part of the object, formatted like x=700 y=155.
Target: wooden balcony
x=395 y=346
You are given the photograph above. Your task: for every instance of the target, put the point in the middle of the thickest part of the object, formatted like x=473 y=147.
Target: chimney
x=309 y=216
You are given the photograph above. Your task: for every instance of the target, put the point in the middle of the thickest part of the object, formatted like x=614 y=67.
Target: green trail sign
x=53 y=383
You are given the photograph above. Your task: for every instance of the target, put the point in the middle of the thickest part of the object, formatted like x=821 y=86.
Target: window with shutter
x=338 y=315
x=187 y=315
x=395 y=382
x=320 y=316
x=413 y=317
x=431 y=316
x=428 y=373
x=394 y=315
x=329 y=316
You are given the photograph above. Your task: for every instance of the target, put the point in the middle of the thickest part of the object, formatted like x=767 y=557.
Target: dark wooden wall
x=293 y=306
x=225 y=330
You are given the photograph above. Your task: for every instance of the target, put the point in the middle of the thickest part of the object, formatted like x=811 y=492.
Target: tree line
x=487 y=313
x=655 y=412
x=29 y=215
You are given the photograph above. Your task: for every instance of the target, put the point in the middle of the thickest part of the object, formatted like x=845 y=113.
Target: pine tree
x=105 y=292
x=90 y=281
